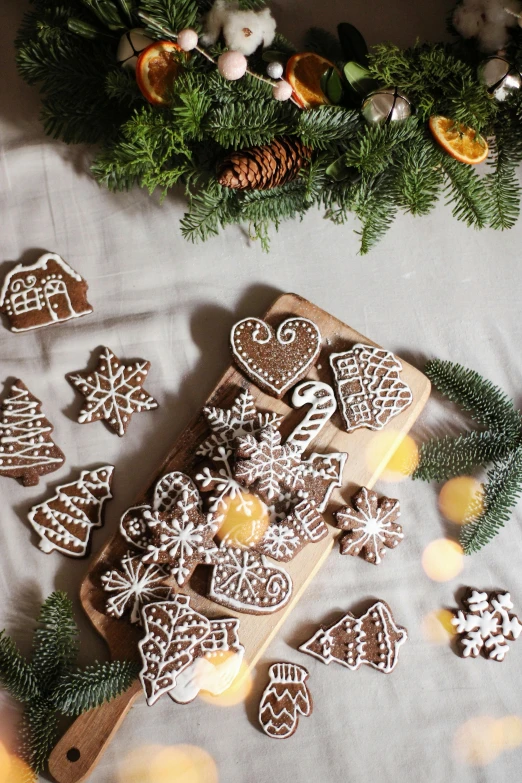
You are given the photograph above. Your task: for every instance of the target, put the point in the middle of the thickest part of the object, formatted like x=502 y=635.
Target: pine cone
x=265 y=167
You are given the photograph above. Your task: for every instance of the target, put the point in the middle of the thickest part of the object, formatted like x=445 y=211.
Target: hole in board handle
x=73 y=754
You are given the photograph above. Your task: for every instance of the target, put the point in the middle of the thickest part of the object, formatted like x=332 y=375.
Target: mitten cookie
x=285 y=698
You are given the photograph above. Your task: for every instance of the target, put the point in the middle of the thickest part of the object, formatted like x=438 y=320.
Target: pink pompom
x=187 y=39
x=232 y=65
x=282 y=91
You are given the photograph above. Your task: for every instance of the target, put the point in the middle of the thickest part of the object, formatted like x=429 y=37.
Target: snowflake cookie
x=66 y=520
x=372 y=639
x=132 y=586
x=369 y=387
x=267 y=466
x=113 y=391
x=27 y=450
x=284 y=699
x=371 y=525
x=180 y=539
x=486 y=625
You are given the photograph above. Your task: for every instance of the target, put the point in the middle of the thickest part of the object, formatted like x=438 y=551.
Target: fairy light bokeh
x=236 y=693
x=461 y=499
x=246 y=520
x=403 y=460
x=168 y=764
x=12 y=769
x=437 y=627
x=481 y=739
x=443 y=560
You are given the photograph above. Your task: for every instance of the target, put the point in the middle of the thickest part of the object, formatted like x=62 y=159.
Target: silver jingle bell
x=386 y=105
x=499 y=78
x=131 y=45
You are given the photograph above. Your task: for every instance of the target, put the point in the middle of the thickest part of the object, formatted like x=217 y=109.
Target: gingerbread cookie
x=486 y=625
x=371 y=525
x=170 y=488
x=285 y=698
x=132 y=586
x=217 y=662
x=369 y=387
x=172 y=632
x=27 y=450
x=373 y=639
x=275 y=361
x=134 y=526
x=66 y=520
x=180 y=539
x=321 y=474
x=245 y=581
x=42 y=294
x=303 y=525
x=266 y=465
x=321 y=398
x=113 y=391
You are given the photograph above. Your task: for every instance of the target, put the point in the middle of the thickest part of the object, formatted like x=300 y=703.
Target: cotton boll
x=492 y=37
x=469 y=19
x=513 y=18
x=497 y=14
x=243 y=31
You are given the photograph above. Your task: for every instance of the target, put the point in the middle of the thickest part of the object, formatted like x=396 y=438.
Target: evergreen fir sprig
x=499 y=446
x=50 y=684
x=356 y=171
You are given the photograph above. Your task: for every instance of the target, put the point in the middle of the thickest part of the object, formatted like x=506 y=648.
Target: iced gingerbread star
x=113 y=391
x=180 y=539
x=487 y=625
x=370 y=524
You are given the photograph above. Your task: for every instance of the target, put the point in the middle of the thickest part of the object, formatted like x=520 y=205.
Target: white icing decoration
x=83 y=507
x=268 y=464
x=285 y=698
x=370 y=525
x=261 y=333
x=134 y=586
x=369 y=387
x=245 y=581
x=110 y=392
x=169 y=489
x=33 y=292
x=488 y=625
x=321 y=398
x=332 y=469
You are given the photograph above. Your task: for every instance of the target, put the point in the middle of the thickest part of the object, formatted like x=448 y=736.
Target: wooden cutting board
x=81 y=747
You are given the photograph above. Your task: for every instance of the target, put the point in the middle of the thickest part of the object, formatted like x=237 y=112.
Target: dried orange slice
x=459 y=141
x=304 y=72
x=156 y=69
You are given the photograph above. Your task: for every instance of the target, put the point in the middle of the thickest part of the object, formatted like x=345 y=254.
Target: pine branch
x=16 y=674
x=239 y=126
x=442 y=458
x=81 y=691
x=374 y=205
x=327 y=125
x=38 y=733
x=55 y=644
x=419 y=178
x=466 y=191
x=208 y=210
x=373 y=149
x=174 y=14
x=121 y=86
x=502 y=491
x=481 y=399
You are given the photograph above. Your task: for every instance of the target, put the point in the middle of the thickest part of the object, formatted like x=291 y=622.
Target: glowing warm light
x=510 y=729
x=236 y=693
x=478 y=741
x=173 y=764
x=461 y=499
x=443 y=560
x=394 y=455
x=246 y=520
x=437 y=626
x=12 y=769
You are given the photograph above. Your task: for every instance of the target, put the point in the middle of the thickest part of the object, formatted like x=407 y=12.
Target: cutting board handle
x=84 y=743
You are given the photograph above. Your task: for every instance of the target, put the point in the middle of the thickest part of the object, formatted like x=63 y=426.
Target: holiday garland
x=350 y=166
x=497 y=445
x=50 y=685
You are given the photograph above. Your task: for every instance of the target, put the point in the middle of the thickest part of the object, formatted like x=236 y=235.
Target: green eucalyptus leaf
x=338 y=170
x=360 y=79
x=352 y=43
x=334 y=87
x=271 y=56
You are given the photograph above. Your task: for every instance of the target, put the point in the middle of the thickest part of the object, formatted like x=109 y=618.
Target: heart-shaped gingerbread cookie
x=275 y=361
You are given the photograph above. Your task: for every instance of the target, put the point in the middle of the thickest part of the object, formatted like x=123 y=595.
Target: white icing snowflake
x=222 y=484
x=133 y=586
x=268 y=465
x=487 y=626
x=113 y=391
x=281 y=542
x=371 y=525
x=227 y=424
x=181 y=538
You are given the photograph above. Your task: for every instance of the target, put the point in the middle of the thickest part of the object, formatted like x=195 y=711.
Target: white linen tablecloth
x=431 y=288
